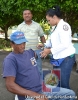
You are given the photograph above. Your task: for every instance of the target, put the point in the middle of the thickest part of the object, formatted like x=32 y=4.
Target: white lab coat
x=61 y=41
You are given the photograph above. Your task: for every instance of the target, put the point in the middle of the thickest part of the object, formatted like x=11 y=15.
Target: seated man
x=21 y=73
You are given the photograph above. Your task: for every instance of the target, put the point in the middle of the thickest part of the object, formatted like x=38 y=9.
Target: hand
x=45 y=52
x=39 y=46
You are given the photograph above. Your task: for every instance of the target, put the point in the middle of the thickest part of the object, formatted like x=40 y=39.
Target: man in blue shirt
x=21 y=73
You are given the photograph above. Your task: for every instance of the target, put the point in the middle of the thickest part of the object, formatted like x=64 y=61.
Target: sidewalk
x=5 y=95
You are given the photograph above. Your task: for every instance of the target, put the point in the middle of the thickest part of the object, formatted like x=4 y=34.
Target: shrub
x=4 y=43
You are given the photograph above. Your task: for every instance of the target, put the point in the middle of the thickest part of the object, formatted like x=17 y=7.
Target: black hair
x=55 y=10
x=27 y=9
x=12 y=42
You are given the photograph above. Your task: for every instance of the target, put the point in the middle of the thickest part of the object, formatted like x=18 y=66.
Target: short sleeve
x=32 y=52
x=9 y=68
x=41 y=33
x=19 y=28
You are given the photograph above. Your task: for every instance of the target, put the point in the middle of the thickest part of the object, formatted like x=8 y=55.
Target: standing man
x=32 y=30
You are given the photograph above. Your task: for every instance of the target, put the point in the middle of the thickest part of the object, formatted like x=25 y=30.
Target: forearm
x=43 y=39
x=16 y=89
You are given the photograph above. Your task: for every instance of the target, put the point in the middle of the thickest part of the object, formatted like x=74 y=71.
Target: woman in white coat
x=62 y=48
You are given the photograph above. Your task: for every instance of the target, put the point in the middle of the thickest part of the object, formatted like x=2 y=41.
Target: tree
x=70 y=13
x=11 y=11
x=8 y=15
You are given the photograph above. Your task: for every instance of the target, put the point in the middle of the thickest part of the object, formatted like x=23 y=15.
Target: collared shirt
x=32 y=32
x=61 y=41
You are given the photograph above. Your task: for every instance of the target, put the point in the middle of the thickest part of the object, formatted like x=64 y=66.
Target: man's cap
x=18 y=37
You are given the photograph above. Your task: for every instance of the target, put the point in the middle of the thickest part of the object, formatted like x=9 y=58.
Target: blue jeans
x=39 y=62
x=66 y=68
x=63 y=94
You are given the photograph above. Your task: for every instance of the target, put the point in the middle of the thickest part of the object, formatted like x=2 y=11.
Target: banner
x=51 y=80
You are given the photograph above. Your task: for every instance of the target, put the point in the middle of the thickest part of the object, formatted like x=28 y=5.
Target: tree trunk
x=6 y=30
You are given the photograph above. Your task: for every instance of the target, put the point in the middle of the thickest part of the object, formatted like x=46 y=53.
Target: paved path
x=5 y=95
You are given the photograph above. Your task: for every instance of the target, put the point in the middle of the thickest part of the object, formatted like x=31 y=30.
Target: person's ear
x=54 y=17
x=11 y=44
